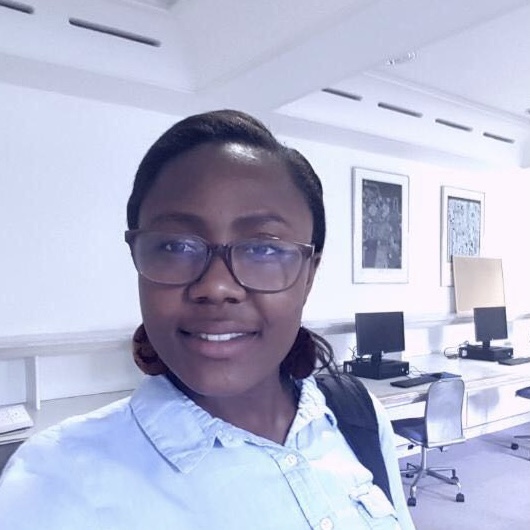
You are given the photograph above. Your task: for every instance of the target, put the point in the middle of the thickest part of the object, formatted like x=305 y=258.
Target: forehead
x=219 y=182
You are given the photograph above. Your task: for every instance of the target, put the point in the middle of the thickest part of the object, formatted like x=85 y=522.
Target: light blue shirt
x=157 y=461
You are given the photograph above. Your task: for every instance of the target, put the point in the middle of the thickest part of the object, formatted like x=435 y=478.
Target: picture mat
x=450 y=197
x=370 y=274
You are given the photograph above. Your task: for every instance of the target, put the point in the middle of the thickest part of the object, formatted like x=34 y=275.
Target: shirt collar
x=184 y=433
x=311 y=406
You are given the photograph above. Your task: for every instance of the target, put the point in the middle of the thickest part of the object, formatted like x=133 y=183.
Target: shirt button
x=291 y=460
x=326 y=524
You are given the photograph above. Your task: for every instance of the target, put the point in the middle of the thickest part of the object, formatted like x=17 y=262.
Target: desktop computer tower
x=384 y=369
x=481 y=353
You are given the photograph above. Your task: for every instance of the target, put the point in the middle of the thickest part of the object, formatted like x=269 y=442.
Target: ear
x=313 y=266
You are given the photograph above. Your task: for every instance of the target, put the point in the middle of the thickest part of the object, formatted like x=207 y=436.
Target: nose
x=217 y=284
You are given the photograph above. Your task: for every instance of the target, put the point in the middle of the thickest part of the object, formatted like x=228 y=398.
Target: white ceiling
x=465 y=94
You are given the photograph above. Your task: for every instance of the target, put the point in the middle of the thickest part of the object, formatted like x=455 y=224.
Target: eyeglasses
x=263 y=265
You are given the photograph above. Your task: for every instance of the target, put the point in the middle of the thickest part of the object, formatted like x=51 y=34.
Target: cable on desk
x=355 y=356
x=416 y=372
x=452 y=352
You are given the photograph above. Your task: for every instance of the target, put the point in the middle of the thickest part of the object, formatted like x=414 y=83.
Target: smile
x=220 y=337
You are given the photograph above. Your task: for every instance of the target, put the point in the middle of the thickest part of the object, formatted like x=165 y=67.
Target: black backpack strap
x=349 y=400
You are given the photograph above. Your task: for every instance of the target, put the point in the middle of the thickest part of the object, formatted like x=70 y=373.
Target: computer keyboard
x=514 y=360
x=443 y=375
x=414 y=381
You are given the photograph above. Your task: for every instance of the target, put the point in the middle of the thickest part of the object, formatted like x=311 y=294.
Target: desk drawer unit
x=495 y=403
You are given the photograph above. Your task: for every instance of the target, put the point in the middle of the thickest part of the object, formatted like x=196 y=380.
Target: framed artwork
x=380 y=227
x=462 y=227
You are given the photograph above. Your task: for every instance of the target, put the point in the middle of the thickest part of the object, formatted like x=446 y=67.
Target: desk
x=476 y=374
x=490 y=403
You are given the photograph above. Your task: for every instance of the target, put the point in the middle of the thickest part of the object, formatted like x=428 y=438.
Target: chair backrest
x=443 y=412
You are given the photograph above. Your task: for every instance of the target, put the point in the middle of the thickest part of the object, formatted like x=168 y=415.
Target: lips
x=214 y=342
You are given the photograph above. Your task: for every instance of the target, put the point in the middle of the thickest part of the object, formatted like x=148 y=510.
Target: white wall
x=67 y=166
x=507 y=214
x=66 y=172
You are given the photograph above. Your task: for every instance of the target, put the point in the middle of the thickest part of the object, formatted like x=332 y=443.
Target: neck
x=267 y=411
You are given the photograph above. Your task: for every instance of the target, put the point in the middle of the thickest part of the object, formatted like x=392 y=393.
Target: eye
x=263 y=250
x=260 y=248
x=178 y=246
x=165 y=245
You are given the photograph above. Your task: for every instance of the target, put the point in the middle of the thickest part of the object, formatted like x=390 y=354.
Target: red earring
x=145 y=355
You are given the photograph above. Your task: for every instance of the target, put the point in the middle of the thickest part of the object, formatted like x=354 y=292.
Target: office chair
x=522 y=392
x=440 y=426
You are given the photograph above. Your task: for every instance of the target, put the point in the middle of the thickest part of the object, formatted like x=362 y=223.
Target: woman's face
x=218 y=338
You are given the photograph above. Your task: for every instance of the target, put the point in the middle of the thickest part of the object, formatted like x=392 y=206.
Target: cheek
x=286 y=307
x=149 y=301
x=156 y=298
x=282 y=336
x=158 y=305
x=283 y=312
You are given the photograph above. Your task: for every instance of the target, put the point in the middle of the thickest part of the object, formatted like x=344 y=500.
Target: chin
x=209 y=385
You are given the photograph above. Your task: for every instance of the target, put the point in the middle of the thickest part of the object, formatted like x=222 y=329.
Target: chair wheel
x=411 y=501
x=409 y=475
x=459 y=497
x=455 y=478
x=515 y=446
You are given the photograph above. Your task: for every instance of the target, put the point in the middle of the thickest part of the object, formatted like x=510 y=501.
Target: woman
x=226 y=230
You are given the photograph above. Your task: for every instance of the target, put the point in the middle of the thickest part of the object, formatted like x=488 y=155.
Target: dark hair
x=224 y=126
x=227 y=126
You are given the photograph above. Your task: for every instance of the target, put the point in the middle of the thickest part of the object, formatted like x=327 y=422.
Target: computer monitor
x=490 y=324
x=379 y=333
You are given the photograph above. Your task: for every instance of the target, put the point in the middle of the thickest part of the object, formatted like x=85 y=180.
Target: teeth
x=223 y=337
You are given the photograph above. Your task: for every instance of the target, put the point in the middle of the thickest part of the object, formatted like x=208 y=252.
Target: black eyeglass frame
x=224 y=251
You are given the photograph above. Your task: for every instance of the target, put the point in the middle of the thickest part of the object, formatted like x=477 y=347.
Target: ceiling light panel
x=385 y=109
x=106 y=37
x=113 y=32
x=158 y=4
x=21 y=7
x=342 y=94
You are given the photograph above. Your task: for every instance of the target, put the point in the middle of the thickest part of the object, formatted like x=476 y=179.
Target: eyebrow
x=179 y=217
x=260 y=219
x=254 y=219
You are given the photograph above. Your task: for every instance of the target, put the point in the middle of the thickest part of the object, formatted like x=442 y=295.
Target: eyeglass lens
x=259 y=264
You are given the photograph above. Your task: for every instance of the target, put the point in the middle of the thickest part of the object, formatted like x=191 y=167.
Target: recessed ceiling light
x=402 y=59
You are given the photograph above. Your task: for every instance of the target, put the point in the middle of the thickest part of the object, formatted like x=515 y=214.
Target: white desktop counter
x=490 y=402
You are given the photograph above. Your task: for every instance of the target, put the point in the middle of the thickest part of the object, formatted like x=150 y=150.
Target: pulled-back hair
x=227 y=126
x=231 y=126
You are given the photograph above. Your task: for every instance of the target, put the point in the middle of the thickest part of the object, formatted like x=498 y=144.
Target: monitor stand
x=376 y=369
x=485 y=352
